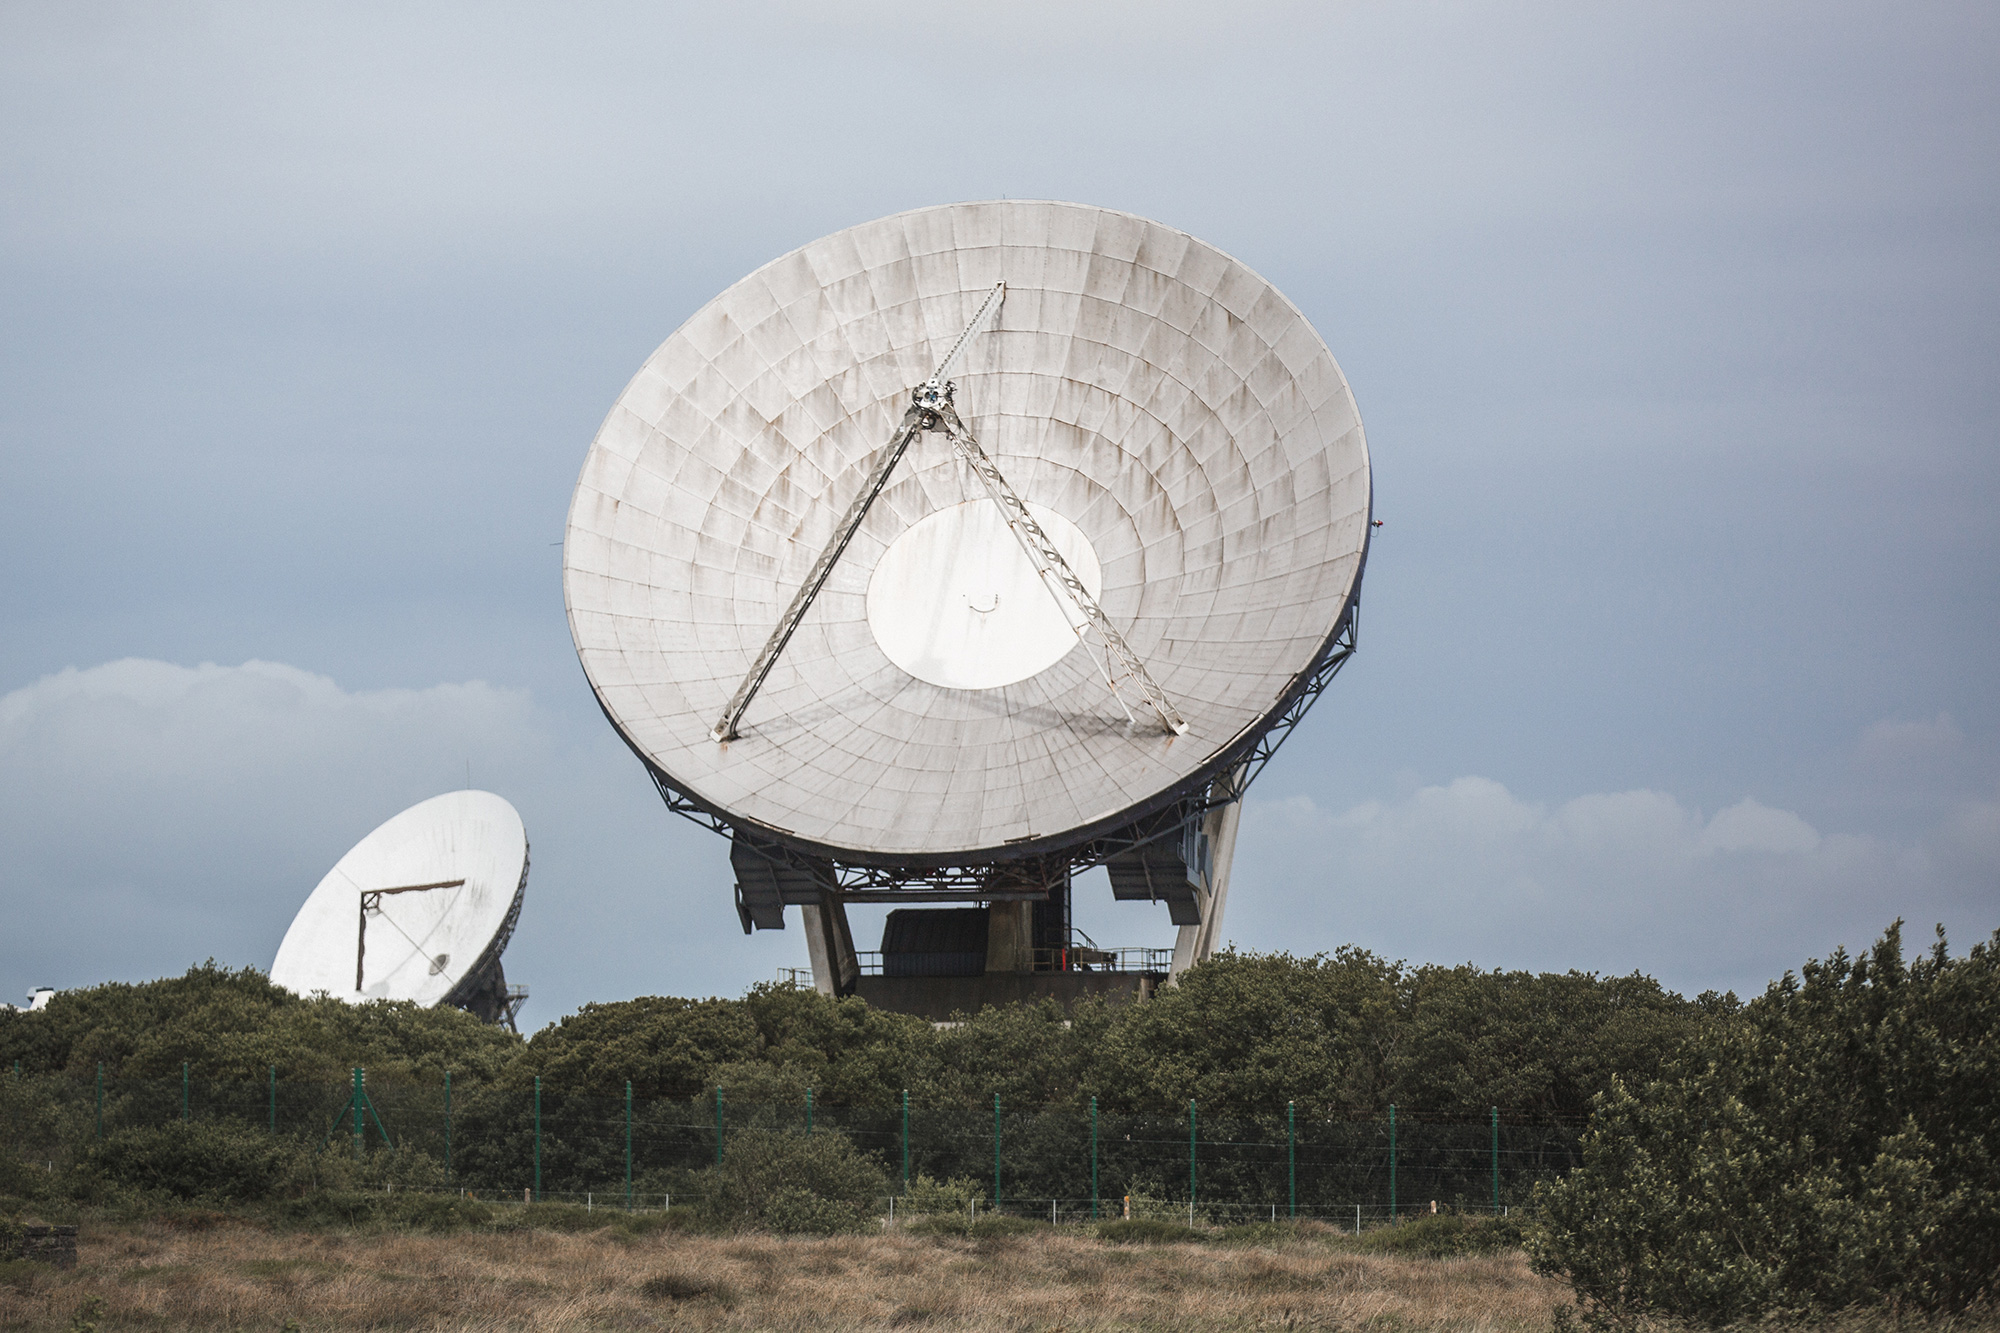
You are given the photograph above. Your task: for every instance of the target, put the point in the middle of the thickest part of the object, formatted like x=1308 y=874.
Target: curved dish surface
x=1152 y=391
x=420 y=945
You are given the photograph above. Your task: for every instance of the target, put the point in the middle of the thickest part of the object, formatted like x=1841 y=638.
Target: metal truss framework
x=1030 y=876
x=483 y=990
x=1055 y=573
x=927 y=404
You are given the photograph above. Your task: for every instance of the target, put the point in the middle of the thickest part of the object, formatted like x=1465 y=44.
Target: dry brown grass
x=237 y=1277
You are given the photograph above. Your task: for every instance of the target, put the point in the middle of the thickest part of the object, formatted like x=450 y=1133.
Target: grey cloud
x=154 y=815
x=1673 y=328
x=1615 y=881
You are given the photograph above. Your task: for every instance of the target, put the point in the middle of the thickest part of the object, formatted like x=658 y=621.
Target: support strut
x=919 y=417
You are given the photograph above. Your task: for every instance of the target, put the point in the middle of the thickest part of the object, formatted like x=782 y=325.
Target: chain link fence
x=1067 y=1163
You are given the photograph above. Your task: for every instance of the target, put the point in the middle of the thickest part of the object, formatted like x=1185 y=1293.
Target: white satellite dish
x=964 y=549
x=419 y=910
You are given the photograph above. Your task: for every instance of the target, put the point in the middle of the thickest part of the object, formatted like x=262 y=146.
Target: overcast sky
x=1675 y=330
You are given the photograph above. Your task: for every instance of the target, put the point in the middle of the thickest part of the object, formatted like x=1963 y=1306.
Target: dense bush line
x=1341 y=1035
x=1837 y=1144
x=1833 y=1143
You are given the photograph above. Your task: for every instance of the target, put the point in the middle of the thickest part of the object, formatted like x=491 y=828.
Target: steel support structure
x=927 y=405
x=1028 y=876
x=1061 y=581
x=772 y=871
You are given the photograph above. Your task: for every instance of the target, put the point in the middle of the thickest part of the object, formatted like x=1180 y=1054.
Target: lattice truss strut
x=931 y=409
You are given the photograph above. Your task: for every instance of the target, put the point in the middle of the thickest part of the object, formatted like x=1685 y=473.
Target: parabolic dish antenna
x=419 y=910
x=969 y=546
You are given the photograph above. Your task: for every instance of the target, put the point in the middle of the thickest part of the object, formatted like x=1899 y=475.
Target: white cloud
x=1609 y=881
x=1748 y=826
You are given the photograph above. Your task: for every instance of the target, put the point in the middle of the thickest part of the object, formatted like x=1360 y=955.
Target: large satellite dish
x=419 y=910
x=968 y=547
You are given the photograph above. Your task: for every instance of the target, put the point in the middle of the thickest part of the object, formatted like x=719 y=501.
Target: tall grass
x=236 y=1276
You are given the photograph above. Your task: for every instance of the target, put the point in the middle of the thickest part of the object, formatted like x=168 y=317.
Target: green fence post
x=272 y=1098
x=355 y=1104
x=1190 y=1163
x=809 y=1108
x=100 y=1099
x=447 y=1124
x=628 y=1145
x=1292 y=1151
x=906 y=1140
x=996 y=1152
x=184 y=1091
x=1392 y=1162
x=1093 y=1159
x=1496 y=1161
x=718 y=1124
x=538 y=1138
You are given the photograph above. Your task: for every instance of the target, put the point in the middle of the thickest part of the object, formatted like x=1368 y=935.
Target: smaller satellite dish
x=421 y=909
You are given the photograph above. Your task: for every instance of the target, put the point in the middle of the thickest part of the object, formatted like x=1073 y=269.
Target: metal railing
x=1076 y=958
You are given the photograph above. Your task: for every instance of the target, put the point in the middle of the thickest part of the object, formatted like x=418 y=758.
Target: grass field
x=232 y=1276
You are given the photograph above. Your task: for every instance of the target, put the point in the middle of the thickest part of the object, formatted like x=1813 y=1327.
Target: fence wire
x=507 y=1143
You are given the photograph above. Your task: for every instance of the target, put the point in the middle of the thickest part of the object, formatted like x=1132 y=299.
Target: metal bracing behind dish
x=483 y=990
x=771 y=872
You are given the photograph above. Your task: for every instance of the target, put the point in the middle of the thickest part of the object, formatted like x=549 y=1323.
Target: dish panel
x=419 y=944
x=1145 y=387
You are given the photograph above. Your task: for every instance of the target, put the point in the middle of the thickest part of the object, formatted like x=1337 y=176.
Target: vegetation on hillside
x=1833 y=1144
x=237 y=1025
x=1345 y=1034
x=1837 y=1144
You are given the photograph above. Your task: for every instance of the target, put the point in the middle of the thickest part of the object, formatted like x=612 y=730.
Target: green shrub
x=436 y=1212
x=926 y=1195
x=794 y=1183
x=202 y=1159
x=986 y=1226
x=1146 y=1231
x=550 y=1216
x=1275 y=1233
x=1833 y=1149
x=637 y=1226
x=328 y=1208
x=18 y=1180
x=22 y=1274
x=1443 y=1236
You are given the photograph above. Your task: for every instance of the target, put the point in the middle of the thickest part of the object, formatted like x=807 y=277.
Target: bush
x=637 y=1226
x=794 y=1183
x=203 y=1159
x=437 y=1212
x=23 y=1275
x=551 y=1216
x=324 y=1208
x=1146 y=1231
x=1834 y=1149
x=987 y=1226
x=925 y=1195
x=1282 y=1232
x=1444 y=1236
